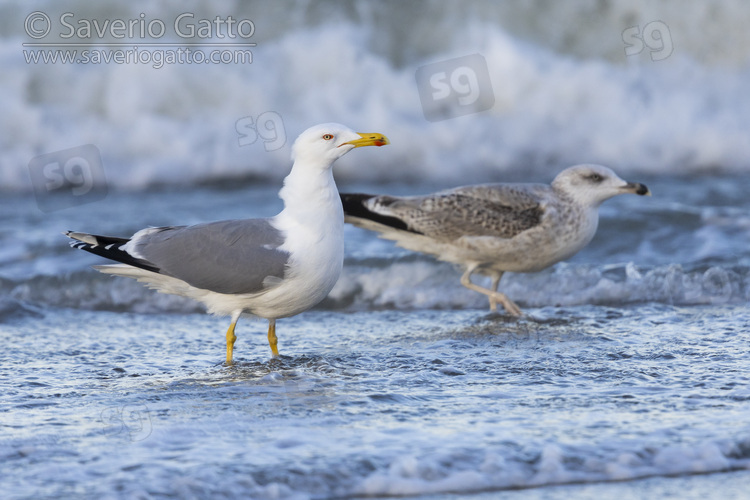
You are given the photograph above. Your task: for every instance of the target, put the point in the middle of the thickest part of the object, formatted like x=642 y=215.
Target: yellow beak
x=369 y=140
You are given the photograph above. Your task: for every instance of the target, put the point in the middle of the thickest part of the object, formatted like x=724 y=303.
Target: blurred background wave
x=565 y=91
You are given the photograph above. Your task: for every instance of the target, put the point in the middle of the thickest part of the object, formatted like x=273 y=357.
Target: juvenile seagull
x=272 y=268
x=494 y=228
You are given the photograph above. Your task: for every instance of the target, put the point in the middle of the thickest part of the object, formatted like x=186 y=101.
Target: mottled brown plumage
x=494 y=228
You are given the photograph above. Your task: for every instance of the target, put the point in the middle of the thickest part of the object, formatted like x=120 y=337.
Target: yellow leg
x=272 y=339
x=230 y=341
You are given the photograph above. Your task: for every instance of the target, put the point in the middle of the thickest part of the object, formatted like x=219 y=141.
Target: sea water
x=630 y=363
x=626 y=378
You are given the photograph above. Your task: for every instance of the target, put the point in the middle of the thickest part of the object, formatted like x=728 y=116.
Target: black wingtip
x=109 y=247
x=355 y=206
x=354 y=203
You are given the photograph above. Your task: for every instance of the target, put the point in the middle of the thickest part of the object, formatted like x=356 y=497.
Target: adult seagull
x=273 y=268
x=494 y=228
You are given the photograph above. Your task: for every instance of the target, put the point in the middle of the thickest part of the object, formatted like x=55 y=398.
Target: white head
x=323 y=144
x=593 y=184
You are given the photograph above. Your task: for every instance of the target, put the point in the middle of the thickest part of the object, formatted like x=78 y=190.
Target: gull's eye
x=595 y=178
x=328 y=137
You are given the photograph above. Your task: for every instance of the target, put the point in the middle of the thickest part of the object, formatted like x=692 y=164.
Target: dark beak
x=638 y=188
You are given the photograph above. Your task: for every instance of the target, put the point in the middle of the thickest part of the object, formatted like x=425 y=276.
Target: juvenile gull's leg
x=495 y=283
x=494 y=295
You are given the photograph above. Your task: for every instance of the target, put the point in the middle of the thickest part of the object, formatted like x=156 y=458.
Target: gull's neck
x=310 y=196
x=585 y=198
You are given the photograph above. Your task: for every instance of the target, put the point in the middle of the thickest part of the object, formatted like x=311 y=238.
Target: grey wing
x=497 y=210
x=236 y=256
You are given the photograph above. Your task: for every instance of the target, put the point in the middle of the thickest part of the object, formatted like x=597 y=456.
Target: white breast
x=313 y=226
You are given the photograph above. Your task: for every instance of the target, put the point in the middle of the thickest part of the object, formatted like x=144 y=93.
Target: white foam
x=427 y=285
x=419 y=285
x=552 y=464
